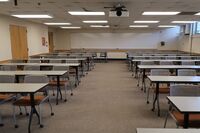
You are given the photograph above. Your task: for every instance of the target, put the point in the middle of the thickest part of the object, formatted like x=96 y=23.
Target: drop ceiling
x=59 y=8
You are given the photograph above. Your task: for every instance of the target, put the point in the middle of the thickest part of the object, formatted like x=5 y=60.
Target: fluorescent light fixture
x=95 y=21
x=167 y=26
x=100 y=26
x=138 y=26
x=4 y=0
x=197 y=13
x=32 y=16
x=183 y=22
x=146 y=21
x=57 y=23
x=85 y=13
x=71 y=27
x=160 y=13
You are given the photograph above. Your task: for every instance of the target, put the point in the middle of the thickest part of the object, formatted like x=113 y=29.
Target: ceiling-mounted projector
x=118 y=14
x=118 y=11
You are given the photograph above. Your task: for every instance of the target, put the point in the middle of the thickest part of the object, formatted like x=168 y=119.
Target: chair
x=64 y=80
x=32 y=68
x=6 y=97
x=163 y=88
x=9 y=68
x=188 y=63
x=187 y=72
x=183 y=90
x=39 y=99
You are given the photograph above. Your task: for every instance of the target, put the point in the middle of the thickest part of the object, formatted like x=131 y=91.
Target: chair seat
x=62 y=83
x=194 y=119
x=25 y=100
x=5 y=96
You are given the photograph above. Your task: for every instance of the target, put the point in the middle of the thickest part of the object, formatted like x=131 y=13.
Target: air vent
x=187 y=13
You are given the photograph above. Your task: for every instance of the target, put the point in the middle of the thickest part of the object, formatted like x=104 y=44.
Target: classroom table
x=173 y=67
x=170 y=79
x=73 y=65
x=185 y=105
x=136 y=62
x=164 y=130
x=30 y=88
x=163 y=56
x=89 y=57
x=57 y=74
x=63 y=60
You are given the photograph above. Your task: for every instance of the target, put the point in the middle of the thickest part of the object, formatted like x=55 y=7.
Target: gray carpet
x=106 y=101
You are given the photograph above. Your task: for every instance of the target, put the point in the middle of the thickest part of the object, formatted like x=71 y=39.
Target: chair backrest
x=187 y=72
x=33 y=61
x=188 y=63
x=184 y=90
x=147 y=63
x=9 y=68
x=32 y=68
x=55 y=61
x=36 y=79
x=160 y=72
x=166 y=63
x=7 y=79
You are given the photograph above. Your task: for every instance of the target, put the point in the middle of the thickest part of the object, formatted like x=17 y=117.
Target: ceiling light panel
x=160 y=13
x=146 y=21
x=86 y=13
x=4 y=0
x=183 y=22
x=167 y=26
x=99 y=26
x=95 y=21
x=138 y=26
x=74 y=27
x=32 y=16
x=57 y=23
x=197 y=13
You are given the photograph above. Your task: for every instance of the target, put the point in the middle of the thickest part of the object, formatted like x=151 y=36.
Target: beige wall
x=34 y=34
x=189 y=44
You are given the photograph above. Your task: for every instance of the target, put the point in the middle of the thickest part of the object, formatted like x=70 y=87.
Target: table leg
x=58 y=90
x=186 y=120
x=143 y=80
x=176 y=72
x=82 y=68
x=136 y=69
x=156 y=99
x=88 y=63
x=33 y=110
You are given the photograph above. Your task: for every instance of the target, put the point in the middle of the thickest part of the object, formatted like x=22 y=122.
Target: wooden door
x=19 y=46
x=51 y=44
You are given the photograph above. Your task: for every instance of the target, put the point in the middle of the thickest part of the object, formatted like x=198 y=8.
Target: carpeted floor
x=106 y=101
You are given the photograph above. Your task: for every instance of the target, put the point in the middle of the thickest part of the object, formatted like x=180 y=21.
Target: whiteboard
x=115 y=40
